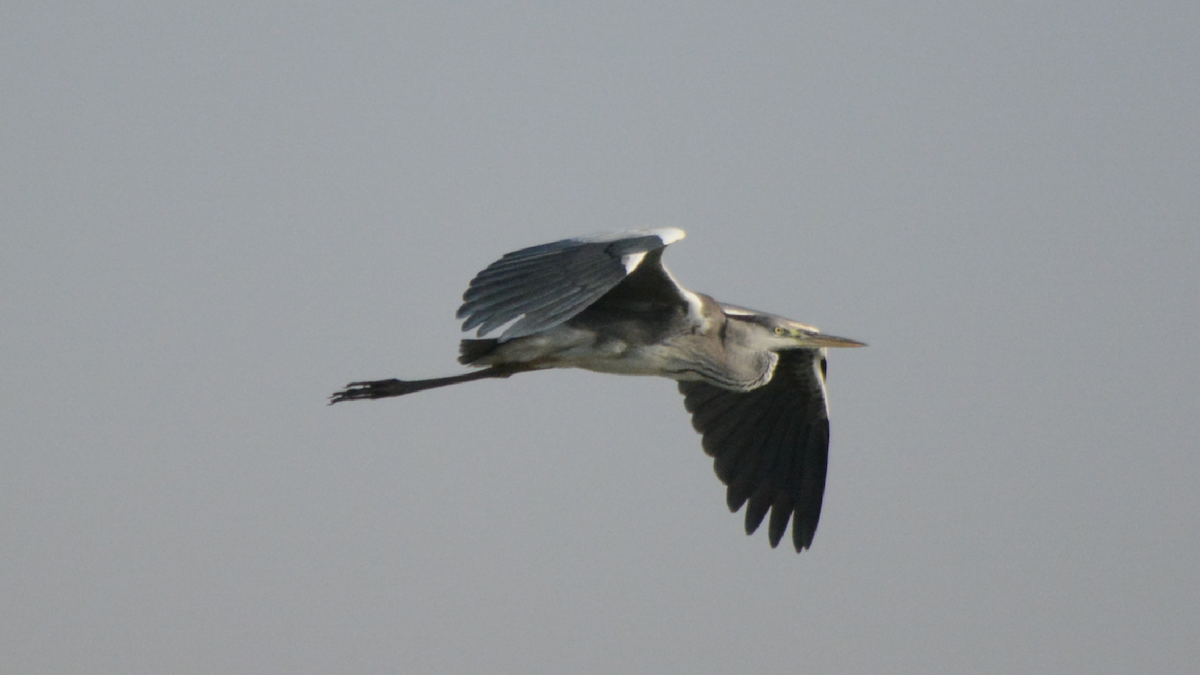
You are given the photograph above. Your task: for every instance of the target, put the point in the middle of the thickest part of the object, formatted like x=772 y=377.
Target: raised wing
x=542 y=286
x=771 y=444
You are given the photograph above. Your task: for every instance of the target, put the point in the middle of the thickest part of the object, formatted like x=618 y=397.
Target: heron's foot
x=373 y=389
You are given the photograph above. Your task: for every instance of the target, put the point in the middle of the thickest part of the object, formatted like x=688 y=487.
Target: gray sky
x=214 y=214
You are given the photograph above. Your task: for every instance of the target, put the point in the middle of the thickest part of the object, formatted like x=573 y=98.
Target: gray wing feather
x=543 y=286
x=770 y=445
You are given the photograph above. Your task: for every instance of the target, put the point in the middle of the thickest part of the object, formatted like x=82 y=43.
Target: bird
x=753 y=382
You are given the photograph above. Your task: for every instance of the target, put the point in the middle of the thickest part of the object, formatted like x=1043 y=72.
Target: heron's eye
x=779 y=330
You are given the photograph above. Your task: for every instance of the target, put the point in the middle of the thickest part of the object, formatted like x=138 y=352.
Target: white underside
x=567 y=347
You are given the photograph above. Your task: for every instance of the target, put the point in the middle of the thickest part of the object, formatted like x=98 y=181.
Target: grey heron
x=753 y=382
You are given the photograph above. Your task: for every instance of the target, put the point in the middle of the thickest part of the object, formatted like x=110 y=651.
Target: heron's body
x=641 y=343
x=754 y=382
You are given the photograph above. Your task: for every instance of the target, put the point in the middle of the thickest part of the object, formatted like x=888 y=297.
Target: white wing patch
x=668 y=235
x=631 y=261
x=820 y=378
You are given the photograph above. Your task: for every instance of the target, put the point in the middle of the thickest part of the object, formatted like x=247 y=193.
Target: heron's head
x=768 y=331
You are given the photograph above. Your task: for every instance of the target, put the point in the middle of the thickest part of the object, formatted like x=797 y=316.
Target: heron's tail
x=470 y=351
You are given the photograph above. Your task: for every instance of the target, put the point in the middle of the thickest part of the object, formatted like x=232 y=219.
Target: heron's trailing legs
x=385 y=388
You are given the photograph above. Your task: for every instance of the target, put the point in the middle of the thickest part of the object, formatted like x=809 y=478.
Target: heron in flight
x=753 y=382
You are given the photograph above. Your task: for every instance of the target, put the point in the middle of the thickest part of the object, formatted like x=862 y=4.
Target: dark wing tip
x=803 y=532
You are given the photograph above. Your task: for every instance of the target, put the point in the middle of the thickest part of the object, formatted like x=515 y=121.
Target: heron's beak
x=813 y=338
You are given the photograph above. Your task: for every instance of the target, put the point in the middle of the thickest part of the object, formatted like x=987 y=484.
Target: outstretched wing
x=771 y=444
x=542 y=286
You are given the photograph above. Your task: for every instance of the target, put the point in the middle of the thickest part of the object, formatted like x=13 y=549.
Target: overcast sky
x=212 y=215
